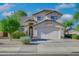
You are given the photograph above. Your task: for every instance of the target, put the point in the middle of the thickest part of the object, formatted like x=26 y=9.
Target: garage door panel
x=50 y=33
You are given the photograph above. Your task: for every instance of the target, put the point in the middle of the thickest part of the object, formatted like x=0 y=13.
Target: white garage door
x=50 y=33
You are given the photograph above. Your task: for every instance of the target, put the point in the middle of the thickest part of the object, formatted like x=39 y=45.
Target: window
x=54 y=17
x=21 y=29
x=39 y=18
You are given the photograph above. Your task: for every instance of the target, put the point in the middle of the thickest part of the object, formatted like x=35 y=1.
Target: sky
x=7 y=9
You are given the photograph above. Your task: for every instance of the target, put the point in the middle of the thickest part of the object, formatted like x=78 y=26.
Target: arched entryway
x=31 y=30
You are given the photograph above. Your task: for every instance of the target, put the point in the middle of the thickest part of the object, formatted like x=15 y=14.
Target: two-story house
x=44 y=25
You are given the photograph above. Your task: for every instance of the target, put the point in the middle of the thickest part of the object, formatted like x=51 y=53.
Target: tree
x=76 y=16
x=76 y=20
x=67 y=24
x=77 y=28
x=9 y=25
x=77 y=7
x=18 y=14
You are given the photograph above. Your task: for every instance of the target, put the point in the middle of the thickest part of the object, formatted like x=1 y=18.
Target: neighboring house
x=3 y=34
x=73 y=32
x=43 y=25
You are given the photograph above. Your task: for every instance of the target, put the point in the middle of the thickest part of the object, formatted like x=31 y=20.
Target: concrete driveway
x=40 y=47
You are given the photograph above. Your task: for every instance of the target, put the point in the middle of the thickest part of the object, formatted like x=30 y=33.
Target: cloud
x=67 y=17
x=5 y=7
x=7 y=13
x=64 y=5
x=29 y=13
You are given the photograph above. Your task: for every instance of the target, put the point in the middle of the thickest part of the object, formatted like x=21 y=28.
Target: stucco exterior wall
x=48 y=30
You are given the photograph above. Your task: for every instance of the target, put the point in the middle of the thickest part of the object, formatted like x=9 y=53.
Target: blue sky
x=31 y=8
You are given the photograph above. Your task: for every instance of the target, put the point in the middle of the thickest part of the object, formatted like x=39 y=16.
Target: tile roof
x=47 y=12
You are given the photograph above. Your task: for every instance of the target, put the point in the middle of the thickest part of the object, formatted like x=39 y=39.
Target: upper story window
x=54 y=17
x=39 y=18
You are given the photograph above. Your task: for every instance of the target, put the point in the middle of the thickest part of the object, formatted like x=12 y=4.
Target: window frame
x=54 y=17
x=40 y=18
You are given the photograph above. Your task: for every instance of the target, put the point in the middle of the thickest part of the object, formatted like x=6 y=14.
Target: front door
x=31 y=31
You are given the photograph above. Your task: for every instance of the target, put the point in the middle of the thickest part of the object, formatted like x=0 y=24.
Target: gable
x=45 y=13
x=53 y=14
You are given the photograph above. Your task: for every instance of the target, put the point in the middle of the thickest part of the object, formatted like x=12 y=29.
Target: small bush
x=68 y=35
x=75 y=36
x=25 y=39
x=17 y=34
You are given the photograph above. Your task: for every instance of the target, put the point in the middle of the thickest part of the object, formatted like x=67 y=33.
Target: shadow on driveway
x=1 y=43
x=40 y=39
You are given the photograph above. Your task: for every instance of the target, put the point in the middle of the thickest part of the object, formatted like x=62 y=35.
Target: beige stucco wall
x=47 y=30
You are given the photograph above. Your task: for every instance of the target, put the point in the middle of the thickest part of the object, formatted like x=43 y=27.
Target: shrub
x=68 y=35
x=75 y=36
x=17 y=34
x=25 y=39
